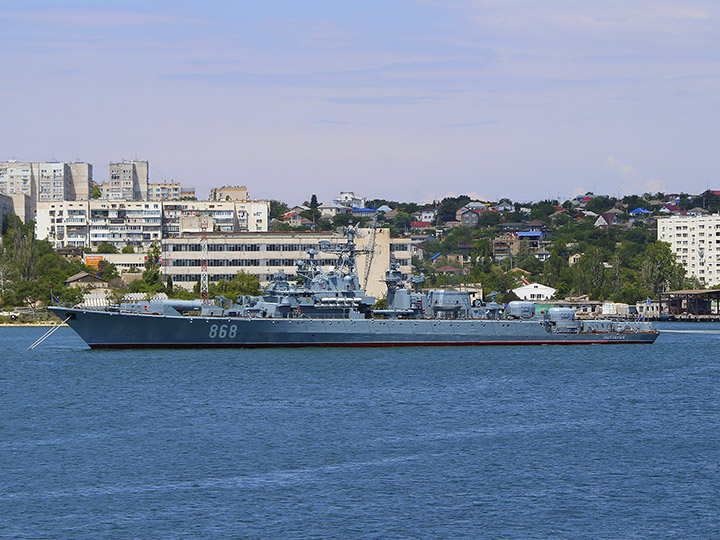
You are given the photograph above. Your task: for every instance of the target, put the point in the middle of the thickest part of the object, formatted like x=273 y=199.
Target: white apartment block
x=46 y=181
x=266 y=254
x=140 y=223
x=227 y=216
x=90 y=223
x=128 y=180
x=695 y=241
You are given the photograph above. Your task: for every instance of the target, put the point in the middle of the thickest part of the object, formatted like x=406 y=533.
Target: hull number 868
x=222 y=331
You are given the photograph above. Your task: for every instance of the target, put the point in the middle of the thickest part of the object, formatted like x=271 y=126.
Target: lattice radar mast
x=204 y=293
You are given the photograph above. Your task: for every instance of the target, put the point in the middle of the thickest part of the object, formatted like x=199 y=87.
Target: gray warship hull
x=107 y=329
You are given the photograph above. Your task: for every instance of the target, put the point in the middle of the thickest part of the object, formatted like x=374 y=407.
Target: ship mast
x=204 y=293
x=371 y=252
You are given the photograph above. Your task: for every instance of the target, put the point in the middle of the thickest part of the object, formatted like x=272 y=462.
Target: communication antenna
x=204 y=294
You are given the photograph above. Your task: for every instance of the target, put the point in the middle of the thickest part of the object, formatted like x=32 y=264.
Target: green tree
x=402 y=221
x=314 y=213
x=278 y=209
x=599 y=204
x=589 y=274
x=107 y=270
x=128 y=249
x=241 y=283
x=659 y=271
x=151 y=275
x=106 y=247
x=96 y=191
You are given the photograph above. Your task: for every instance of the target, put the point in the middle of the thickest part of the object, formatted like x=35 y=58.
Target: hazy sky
x=406 y=100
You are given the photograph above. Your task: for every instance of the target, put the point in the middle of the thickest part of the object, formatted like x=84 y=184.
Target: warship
x=318 y=308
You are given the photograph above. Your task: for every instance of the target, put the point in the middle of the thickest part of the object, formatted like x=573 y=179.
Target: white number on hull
x=222 y=331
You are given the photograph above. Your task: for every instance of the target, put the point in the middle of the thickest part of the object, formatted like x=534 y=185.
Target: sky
x=407 y=100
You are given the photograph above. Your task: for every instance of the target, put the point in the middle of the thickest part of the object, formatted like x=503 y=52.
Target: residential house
x=419 y=225
x=350 y=200
x=468 y=218
x=330 y=210
x=449 y=270
x=606 y=220
x=534 y=292
x=83 y=279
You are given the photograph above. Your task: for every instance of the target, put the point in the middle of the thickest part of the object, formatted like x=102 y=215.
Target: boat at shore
x=330 y=309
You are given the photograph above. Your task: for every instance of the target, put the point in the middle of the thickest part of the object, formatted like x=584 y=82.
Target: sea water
x=612 y=441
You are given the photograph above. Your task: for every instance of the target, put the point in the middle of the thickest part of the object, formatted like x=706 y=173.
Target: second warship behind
x=322 y=309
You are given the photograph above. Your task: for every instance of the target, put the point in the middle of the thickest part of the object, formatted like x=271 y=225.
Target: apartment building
x=90 y=223
x=45 y=181
x=265 y=254
x=227 y=216
x=169 y=191
x=128 y=180
x=140 y=223
x=505 y=246
x=6 y=207
x=229 y=193
x=19 y=204
x=695 y=241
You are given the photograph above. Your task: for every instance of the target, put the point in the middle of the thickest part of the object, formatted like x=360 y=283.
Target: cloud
x=471 y=124
x=332 y=122
x=632 y=180
x=93 y=18
x=391 y=101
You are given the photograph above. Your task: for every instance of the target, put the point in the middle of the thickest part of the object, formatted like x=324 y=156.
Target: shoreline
x=30 y=324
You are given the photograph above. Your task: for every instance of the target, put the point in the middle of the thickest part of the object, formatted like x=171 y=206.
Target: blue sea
x=575 y=442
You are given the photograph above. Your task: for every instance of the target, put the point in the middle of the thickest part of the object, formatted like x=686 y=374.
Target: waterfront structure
x=140 y=223
x=267 y=254
x=695 y=242
x=128 y=180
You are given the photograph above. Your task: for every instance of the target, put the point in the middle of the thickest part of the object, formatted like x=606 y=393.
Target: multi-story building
x=6 y=207
x=505 y=246
x=167 y=191
x=128 y=180
x=140 y=223
x=229 y=193
x=227 y=216
x=695 y=241
x=17 y=203
x=45 y=181
x=266 y=254
x=90 y=223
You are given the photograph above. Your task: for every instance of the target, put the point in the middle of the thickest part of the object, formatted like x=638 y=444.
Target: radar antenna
x=204 y=292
